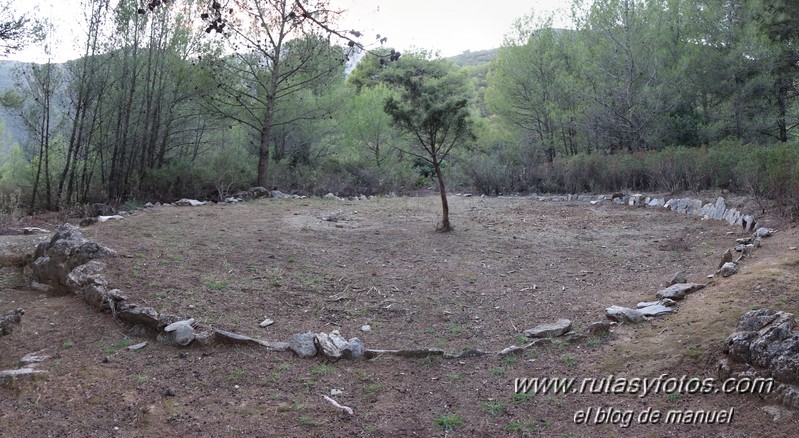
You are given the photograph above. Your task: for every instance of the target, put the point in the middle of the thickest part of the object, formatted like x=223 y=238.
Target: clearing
x=324 y=264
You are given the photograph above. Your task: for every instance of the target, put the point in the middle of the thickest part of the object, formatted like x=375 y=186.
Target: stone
x=668 y=302
x=725 y=258
x=331 y=345
x=334 y=392
x=330 y=196
x=600 y=328
x=354 y=349
x=777 y=412
x=109 y=218
x=85 y=222
x=277 y=194
x=303 y=344
x=18 y=251
x=149 y=205
x=748 y=223
x=232 y=200
x=67 y=249
x=33 y=230
x=12 y=378
x=146 y=316
x=550 y=330
x=655 y=310
x=10 y=320
x=258 y=192
x=176 y=325
x=765 y=343
x=624 y=314
x=138 y=346
x=266 y=322
x=86 y=274
x=678 y=291
x=366 y=328
x=31 y=359
x=679 y=277
x=185 y=202
x=763 y=232
x=183 y=335
x=728 y=269
x=224 y=336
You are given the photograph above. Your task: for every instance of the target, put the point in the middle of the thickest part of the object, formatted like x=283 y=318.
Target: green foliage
x=449 y=422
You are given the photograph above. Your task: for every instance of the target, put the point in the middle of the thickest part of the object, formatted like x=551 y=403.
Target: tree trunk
x=445 y=225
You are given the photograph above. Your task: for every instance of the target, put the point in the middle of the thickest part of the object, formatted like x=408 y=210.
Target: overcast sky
x=448 y=26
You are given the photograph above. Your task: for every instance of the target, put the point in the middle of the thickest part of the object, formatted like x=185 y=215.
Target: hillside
x=11 y=129
x=469 y=58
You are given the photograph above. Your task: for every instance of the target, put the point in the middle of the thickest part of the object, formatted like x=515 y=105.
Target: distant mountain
x=469 y=58
x=13 y=128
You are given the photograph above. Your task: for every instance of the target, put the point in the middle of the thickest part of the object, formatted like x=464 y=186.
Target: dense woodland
x=194 y=99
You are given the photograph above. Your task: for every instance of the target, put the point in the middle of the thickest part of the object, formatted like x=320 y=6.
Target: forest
x=190 y=98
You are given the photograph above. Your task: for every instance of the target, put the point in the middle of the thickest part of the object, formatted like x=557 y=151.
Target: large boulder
x=765 y=344
x=19 y=250
x=10 y=320
x=68 y=249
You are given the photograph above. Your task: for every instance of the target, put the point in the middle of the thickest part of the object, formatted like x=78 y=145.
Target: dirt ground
x=510 y=264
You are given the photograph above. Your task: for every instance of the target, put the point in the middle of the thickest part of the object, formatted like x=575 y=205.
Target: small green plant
x=521 y=397
x=284 y=367
x=429 y=359
x=521 y=339
x=569 y=360
x=493 y=408
x=455 y=376
x=525 y=429
x=455 y=329
x=373 y=389
x=215 y=284
x=322 y=370
x=595 y=341
x=498 y=371
x=672 y=397
x=430 y=331
x=290 y=260
x=69 y=343
x=235 y=375
x=508 y=360
x=449 y=422
x=305 y=421
x=140 y=378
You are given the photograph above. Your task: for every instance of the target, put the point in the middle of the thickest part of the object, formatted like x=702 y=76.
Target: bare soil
x=510 y=264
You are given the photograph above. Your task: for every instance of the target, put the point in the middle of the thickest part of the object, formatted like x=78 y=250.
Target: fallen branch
x=336 y=404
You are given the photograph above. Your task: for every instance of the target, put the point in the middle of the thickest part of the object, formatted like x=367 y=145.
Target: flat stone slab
x=624 y=314
x=679 y=291
x=235 y=338
x=19 y=250
x=11 y=378
x=550 y=330
x=656 y=310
